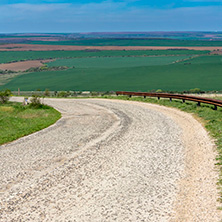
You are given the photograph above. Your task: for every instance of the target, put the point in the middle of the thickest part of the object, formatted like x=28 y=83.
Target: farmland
x=10 y=56
x=127 y=73
x=117 y=62
x=131 y=42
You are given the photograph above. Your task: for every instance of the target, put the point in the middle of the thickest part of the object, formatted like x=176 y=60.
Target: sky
x=48 y=16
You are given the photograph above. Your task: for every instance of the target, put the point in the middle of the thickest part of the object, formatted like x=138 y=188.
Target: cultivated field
x=132 y=42
x=117 y=62
x=23 y=65
x=7 y=56
x=48 y=47
x=175 y=73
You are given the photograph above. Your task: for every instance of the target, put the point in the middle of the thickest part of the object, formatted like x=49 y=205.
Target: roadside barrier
x=197 y=99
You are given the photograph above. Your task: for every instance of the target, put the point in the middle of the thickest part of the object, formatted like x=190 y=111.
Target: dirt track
x=111 y=161
x=35 y=47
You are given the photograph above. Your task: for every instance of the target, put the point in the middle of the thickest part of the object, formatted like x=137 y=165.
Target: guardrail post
x=184 y=98
x=170 y=99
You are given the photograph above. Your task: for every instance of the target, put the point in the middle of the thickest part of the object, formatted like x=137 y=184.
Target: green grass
x=211 y=119
x=204 y=73
x=17 y=120
x=9 y=56
x=116 y=62
x=131 y=42
x=210 y=60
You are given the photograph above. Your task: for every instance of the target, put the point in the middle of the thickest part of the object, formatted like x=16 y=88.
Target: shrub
x=196 y=90
x=63 y=94
x=105 y=93
x=6 y=71
x=4 y=96
x=36 y=101
x=46 y=93
x=94 y=93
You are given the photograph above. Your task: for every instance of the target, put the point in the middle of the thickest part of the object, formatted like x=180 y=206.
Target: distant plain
x=93 y=69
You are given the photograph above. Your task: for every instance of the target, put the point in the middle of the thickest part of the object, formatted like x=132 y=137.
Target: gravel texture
x=110 y=161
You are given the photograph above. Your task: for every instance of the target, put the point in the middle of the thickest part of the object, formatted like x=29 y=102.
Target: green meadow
x=127 y=73
x=10 y=56
x=116 y=62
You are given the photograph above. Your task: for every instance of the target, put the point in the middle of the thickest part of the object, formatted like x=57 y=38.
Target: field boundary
x=197 y=99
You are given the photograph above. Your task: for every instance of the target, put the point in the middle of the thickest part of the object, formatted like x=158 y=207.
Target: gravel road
x=111 y=161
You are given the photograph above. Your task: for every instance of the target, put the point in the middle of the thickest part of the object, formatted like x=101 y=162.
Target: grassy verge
x=17 y=120
x=210 y=118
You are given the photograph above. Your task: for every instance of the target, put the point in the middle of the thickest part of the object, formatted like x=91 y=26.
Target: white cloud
x=105 y=16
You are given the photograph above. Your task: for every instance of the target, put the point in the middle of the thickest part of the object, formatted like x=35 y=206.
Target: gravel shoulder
x=107 y=160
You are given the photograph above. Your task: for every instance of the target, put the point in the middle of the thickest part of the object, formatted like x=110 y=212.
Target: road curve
x=111 y=161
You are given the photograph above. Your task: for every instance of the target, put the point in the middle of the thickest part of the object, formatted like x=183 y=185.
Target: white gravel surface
x=111 y=161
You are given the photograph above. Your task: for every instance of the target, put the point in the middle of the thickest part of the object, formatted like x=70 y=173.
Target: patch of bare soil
x=24 y=65
x=30 y=47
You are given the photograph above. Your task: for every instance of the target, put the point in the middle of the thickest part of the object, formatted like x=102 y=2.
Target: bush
x=4 y=96
x=94 y=93
x=46 y=68
x=46 y=93
x=6 y=71
x=63 y=94
x=36 y=101
x=196 y=90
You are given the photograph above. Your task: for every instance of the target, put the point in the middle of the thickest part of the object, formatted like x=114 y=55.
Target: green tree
x=4 y=96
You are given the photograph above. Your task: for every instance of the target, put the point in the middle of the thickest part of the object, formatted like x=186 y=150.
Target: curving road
x=110 y=161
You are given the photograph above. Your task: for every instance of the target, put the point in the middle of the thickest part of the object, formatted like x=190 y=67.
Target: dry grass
x=6 y=109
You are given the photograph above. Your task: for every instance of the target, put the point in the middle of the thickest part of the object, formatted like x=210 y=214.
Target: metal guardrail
x=197 y=99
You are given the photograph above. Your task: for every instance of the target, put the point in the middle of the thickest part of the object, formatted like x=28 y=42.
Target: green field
x=31 y=55
x=131 y=42
x=203 y=72
x=116 y=62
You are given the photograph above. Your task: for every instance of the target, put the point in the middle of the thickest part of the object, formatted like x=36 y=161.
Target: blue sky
x=19 y=16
